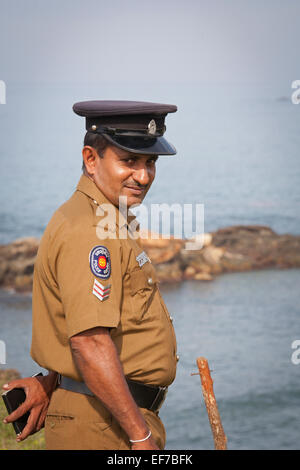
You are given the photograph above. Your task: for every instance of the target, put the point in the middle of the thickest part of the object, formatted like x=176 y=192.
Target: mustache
x=136 y=185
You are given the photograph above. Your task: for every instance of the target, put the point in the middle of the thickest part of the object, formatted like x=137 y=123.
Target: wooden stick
x=211 y=405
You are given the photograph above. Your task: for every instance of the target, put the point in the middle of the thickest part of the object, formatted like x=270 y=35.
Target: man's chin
x=134 y=200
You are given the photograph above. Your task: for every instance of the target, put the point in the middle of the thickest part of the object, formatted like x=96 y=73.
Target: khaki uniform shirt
x=90 y=272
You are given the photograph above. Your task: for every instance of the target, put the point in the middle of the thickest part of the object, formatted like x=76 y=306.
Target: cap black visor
x=142 y=145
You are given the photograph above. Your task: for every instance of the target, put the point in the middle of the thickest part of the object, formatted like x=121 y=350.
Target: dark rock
x=17 y=263
x=236 y=248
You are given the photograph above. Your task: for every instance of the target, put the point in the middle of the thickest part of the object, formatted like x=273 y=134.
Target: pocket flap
x=141 y=280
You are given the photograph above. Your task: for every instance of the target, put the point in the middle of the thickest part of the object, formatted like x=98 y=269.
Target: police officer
x=100 y=325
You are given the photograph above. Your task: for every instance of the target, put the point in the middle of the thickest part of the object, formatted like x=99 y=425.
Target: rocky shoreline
x=231 y=249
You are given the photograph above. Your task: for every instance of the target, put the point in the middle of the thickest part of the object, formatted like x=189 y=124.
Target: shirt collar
x=88 y=187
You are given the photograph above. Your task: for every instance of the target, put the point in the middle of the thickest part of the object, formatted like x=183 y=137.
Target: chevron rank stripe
x=101 y=291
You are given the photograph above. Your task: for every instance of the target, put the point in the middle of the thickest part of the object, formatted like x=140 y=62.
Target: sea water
x=238 y=154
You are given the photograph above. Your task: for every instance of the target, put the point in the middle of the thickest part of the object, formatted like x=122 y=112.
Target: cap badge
x=152 y=127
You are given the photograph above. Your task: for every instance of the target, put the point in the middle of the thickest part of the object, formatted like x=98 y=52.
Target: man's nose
x=142 y=176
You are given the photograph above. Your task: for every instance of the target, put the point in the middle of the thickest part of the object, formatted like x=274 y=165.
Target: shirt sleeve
x=89 y=279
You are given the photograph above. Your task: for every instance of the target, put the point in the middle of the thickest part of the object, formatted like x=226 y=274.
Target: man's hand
x=38 y=393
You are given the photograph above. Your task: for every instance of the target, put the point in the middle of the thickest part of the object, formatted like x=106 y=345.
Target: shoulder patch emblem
x=100 y=262
x=142 y=258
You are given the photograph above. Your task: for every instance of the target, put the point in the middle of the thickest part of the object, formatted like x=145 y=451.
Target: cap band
x=145 y=125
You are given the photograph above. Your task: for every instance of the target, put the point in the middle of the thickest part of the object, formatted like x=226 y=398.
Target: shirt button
x=177 y=358
x=150 y=281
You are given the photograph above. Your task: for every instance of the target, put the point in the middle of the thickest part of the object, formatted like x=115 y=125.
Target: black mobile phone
x=13 y=399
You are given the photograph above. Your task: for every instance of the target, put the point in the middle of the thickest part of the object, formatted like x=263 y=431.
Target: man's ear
x=89 y=156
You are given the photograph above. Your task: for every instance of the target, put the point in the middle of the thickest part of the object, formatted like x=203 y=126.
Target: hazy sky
x=149 y=40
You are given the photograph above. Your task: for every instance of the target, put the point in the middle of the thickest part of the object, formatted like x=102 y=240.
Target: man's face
x=120 y=173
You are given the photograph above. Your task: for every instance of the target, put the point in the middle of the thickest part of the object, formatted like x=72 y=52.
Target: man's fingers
x=41 y=420
x=34 y=423
x=30 y=427
x=20 y=411
x=13 y=384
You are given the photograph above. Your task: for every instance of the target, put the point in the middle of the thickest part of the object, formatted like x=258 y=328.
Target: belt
x=145 y=396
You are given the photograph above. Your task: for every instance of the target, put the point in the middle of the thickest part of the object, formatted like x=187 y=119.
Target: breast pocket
x=143 y=286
